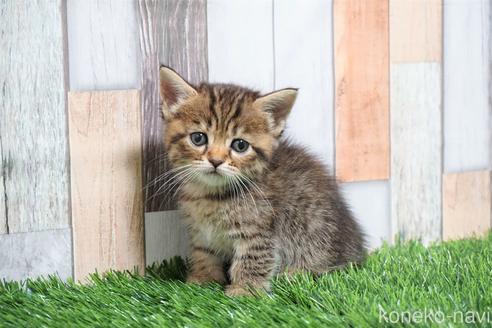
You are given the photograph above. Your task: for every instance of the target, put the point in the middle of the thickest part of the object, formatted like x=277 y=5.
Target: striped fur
x=271 y=209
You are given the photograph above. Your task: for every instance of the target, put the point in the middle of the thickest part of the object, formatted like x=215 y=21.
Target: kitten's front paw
x=201 y=279
x=240 y=290
x=235 y=290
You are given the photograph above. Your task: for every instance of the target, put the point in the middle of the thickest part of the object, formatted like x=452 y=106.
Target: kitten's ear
x=174 y=90
x=277 y=105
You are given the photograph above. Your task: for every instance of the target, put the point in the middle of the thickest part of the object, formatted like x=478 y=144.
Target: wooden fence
x=395 y=97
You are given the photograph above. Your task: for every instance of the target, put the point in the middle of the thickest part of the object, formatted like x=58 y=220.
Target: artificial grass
x=452 y=277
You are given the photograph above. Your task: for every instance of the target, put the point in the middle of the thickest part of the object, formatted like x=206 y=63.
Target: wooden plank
x=304 y=59
x=416 y=150
x=34 y=254
x=467 y=85
x=4 y=226
x=416 y=30
x=107 y=206
x=165 y=236
x=467 y=204
x=370 y=203
x=103 y=44
x=33 y=116
x=240 y=43
x=362 y=89
x=174 y=33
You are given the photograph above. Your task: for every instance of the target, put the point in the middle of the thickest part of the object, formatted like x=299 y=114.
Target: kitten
x=249 y=197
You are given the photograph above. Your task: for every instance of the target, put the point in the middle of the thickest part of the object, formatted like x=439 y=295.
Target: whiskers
x=171 y=180
x=244 y=190
x=242 y=184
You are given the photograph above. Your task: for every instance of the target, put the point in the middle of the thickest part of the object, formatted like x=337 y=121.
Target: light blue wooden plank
x=240 y=43
x=370 y=204
x=304 y=59
x=103 y=44
x=34 y=254
x=467 y=93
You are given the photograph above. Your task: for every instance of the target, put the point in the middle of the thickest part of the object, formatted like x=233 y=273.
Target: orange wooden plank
x=416 y=30
x=106 y=181
x=467 y=204
x=362 y=89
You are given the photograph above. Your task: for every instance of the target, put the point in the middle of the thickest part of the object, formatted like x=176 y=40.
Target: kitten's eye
x=240 y=145
x=198 y=138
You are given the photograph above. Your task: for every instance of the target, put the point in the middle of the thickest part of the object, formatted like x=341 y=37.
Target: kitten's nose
x=215 y=162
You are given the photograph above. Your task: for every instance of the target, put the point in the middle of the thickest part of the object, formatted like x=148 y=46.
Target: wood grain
x=165 y=236
x=103 y=44
x=416 y=151
x=467 y=85
x=240 y=43
x=362 y=89
x=370 y=203
x=33 y=129
x=173 y=33
x=304 y=59
x=416 y=30
x=36 y=253
x=467 y=204
x=107 y=206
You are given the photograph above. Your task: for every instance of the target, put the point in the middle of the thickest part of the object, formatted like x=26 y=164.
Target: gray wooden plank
x=34 y=254
x=165 y=236
x=370 y=204
x=416 y=150
x=103 y=44
x=240 y=43
x=467 y=93
x=33 y=115
x=173 y=33
x=304 y=59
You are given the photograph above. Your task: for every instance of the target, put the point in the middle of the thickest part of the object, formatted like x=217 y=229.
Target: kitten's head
x=216 y=134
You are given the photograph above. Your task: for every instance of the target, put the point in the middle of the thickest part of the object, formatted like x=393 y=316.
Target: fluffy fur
x=272 y=208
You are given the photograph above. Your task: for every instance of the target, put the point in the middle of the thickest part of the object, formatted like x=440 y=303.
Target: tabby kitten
x=249 y=197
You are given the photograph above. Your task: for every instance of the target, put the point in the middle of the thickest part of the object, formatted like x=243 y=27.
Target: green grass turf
x=448 y=277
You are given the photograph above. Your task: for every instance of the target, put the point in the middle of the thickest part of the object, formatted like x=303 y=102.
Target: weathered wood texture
x=416 y=30
x=416 y=119
x=369 y=201
x=240 y=43
x=165 y=236
x=304 y=59
x=33 y=133
x=106 y=177
x=467 y=85
x=416 y=150
x=103 y=44
x=172 y=33
x=34 y=254
x=361 y=44
x=467 y=204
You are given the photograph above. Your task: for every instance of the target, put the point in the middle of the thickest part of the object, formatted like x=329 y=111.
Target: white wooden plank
x=416 y=153
x=103 y=44
x=240 y=43
x=370 y=204
x=3 y=214
x=33 y=254
x=304 y=59
x=33 y=132
x=165 y=236
x=467 y=92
